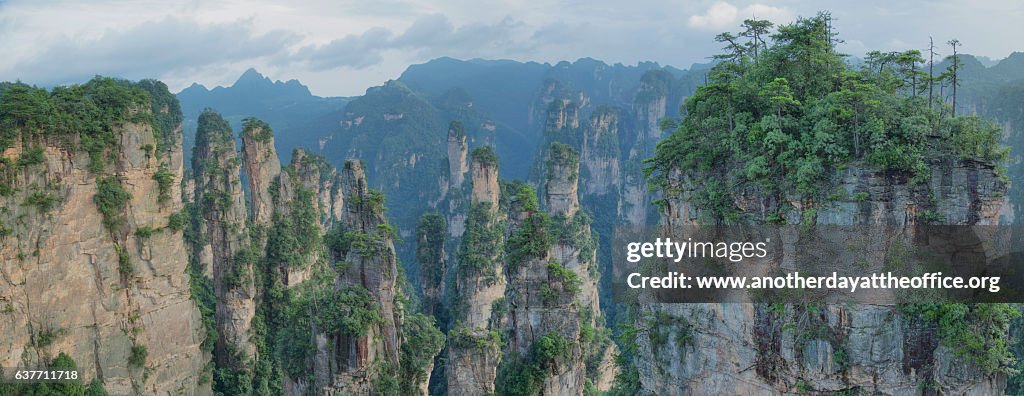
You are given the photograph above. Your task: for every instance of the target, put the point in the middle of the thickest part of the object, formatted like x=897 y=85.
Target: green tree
x=756 y=30
x=952 y=74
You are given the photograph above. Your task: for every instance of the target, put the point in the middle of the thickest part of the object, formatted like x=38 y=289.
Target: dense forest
x=782 y=111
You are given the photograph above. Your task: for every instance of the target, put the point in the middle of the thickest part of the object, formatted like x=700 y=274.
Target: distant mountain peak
x=1014 y=58
x=251 y=76
x=195 y=87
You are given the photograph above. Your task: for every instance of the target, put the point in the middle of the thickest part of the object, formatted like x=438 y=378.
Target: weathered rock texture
x=431 y=236
x=554 y=292
x=473 y=355
x=747 y=349
x=312 y=173
x=315 y=207
x=526 y=279
x=453 y=189
x=574 y=246
x=458 y=164
x=60 y=285
x=651 y=107
x=262 y=167
x=560 y=189
x=600 y=154
x=353 y=362
x=216 y=168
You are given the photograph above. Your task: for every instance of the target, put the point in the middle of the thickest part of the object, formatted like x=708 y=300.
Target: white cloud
x=340 y=47
x=761 y=11
x=721 y=15
x=148 y=50
x=429 y=36
x=724 y=16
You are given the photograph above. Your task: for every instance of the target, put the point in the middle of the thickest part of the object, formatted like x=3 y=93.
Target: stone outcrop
x=574 y=247
x=68 y=284
x=542 y=303
x=458 y=163
x=650 y=108
x=553 y=293
x=221 y=204
x=454 y=187
x=563 y=113
x=262 y=167
x=312 y=173
x=561 y=186
x=485 y=178
x=473 y=351
x=526 y=280
x=328 y=243
x=431 y=237
x=348 y=363
x=599 y=155
x=747 y=349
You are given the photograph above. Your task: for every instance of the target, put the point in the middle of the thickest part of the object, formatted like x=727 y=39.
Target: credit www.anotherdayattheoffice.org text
x=794 y=280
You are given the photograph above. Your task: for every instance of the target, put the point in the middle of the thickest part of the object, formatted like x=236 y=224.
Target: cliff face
x=525 y=316
x=313 y=174
x=560 y=189
x=330 y=310
x=651 y=107
x=311 y=189
x=458 y=164
x=374 y=272
x=543 y=308
x=262 y=168
x=102 y=295
x=485 y=182
x=431 y=236
x=221 y=204
x=748 y=349
x=454 y=187
x=600 y=155
x=473 y=350
x=552 y=294
x=573 y=246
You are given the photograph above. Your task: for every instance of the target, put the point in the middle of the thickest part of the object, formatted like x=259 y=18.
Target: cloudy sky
x=343 y=47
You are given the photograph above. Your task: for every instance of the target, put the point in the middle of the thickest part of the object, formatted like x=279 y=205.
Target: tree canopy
x=783 y=111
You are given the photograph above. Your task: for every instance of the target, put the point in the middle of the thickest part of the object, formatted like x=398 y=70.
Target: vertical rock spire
x=430 y=253
x=369 y=266
x=261 y=166
x=474 y=348
x=457 y=150
x=563 y=166
x=221 y=204
x=485 y=177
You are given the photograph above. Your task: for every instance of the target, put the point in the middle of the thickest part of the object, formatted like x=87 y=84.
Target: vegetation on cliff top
x=259 y=129
x=213 y=134
x=782 y=116
x=91 y=112
x=485 y=156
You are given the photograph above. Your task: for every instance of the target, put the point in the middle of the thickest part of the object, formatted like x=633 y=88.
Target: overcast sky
x=342 y=47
